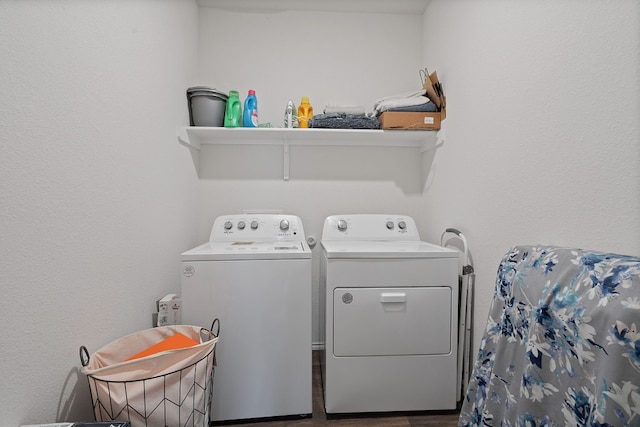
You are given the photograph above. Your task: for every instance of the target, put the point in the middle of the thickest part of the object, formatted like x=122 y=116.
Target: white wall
x=543 y=124
x=334 y=58
x=97 y=198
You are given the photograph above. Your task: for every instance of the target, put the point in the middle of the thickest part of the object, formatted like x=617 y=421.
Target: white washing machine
x=254 y=275
x=390 y=303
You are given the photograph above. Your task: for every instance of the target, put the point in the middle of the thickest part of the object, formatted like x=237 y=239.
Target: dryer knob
x=254 y=225
x=342 y=225
x=284 y=225
x=390 y=225
x=241 y=225
x=228 y=225
x=401 y=225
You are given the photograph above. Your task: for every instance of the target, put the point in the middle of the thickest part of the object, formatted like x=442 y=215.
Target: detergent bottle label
x=250 y=115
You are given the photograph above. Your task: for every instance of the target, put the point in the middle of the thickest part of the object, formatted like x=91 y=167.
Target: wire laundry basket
x=172 y=388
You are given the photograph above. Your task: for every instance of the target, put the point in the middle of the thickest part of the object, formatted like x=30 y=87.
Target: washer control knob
x=228 y=225
x=254 y=225
x=342 y=225
x=401 y=225
x=284 y=225
x=241 y=225
x=390 y=225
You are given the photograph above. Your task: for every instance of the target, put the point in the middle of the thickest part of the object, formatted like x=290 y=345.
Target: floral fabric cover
x=561 y=345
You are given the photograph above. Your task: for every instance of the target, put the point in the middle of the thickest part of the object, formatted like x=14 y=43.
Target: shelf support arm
x=285 y=159
x=189 y=141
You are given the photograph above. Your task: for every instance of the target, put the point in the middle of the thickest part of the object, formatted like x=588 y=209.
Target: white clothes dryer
x=390 y=304
x=254 y=275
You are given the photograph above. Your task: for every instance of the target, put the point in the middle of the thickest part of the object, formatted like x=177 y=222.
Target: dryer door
x=391 y=321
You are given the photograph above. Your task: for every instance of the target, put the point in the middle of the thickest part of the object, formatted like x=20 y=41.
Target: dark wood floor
x=319 y=418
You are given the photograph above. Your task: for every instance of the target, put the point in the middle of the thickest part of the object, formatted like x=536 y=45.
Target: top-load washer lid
x=253 y=236
x=243 y=250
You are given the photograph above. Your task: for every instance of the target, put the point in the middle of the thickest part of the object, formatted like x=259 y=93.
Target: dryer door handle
x=386 y=297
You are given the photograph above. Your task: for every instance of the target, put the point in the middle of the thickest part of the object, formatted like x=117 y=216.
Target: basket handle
x=84 y=356
x=215 y=324
x=209 y=334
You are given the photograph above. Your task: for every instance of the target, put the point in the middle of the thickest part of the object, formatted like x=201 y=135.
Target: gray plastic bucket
x=206 y=106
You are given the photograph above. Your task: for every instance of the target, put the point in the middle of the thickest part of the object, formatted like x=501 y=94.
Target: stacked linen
x=354 y=117
x=415 y=101
x=356 y=110
x=344 y=117
x=344 y=121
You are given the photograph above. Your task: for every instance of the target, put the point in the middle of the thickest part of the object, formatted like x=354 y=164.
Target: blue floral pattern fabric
x=561 y=345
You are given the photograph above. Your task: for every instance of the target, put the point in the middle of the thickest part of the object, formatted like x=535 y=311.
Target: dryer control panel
x=370 y=227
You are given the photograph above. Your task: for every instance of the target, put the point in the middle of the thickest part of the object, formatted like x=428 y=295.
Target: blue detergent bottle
x=250 y=113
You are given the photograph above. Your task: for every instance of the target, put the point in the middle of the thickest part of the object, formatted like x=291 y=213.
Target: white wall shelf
x=194 y=137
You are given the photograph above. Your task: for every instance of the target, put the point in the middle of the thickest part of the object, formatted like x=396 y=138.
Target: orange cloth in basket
x=173 y=342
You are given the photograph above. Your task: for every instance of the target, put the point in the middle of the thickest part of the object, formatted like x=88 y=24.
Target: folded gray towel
x=343 y=121
x=429 y=107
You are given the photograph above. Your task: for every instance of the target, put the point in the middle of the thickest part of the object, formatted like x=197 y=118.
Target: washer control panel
x=370 y=227
x=260 y=227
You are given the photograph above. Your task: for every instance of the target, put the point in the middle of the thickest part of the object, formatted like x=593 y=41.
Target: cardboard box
x=416 y=120
x=409 y=121
x=169 y=310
